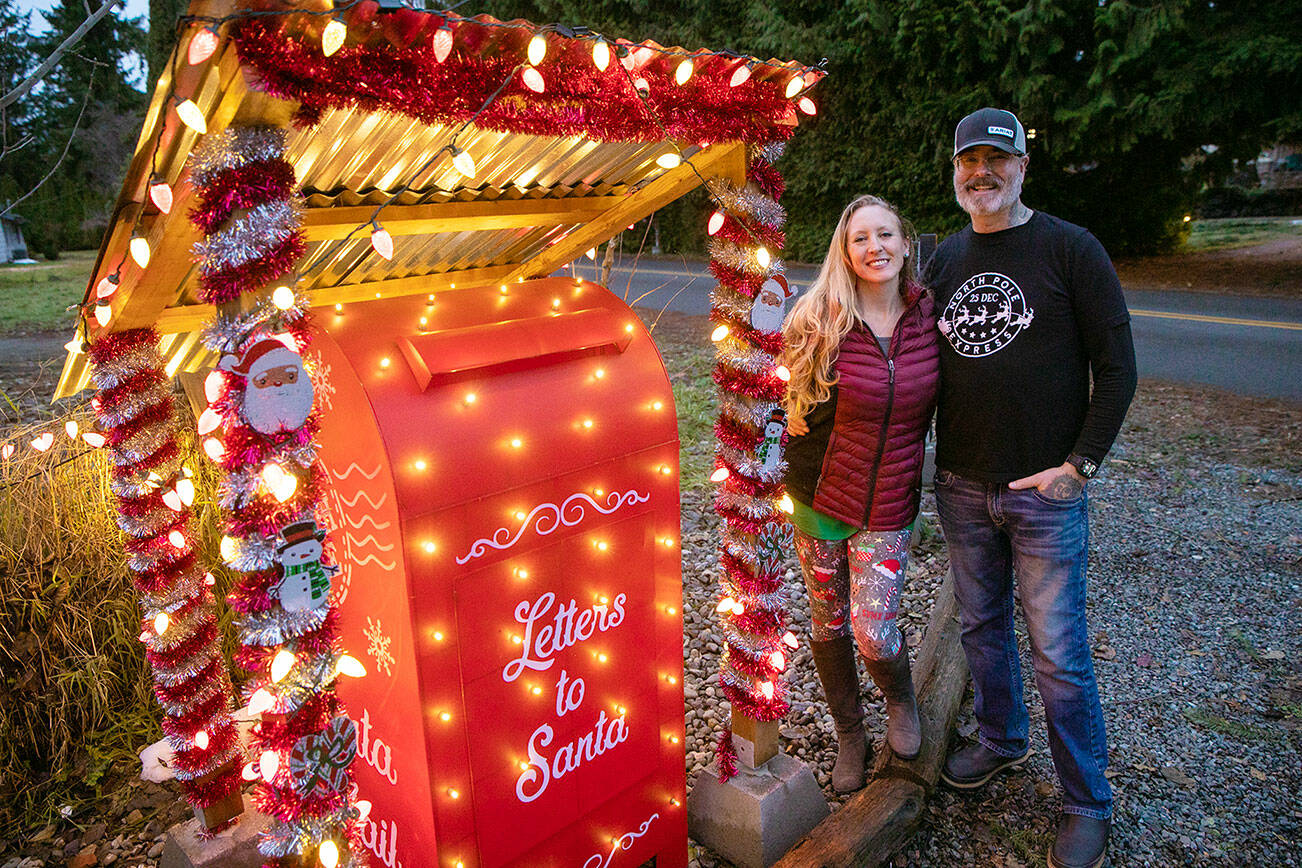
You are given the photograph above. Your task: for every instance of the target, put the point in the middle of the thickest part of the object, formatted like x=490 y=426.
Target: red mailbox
x=503 y=502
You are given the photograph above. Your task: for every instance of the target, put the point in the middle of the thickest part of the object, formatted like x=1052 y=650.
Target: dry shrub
x=75 y=689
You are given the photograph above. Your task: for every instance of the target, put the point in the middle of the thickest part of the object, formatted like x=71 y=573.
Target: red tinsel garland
x=245 y=186
x=387 y=69
x=228 y=284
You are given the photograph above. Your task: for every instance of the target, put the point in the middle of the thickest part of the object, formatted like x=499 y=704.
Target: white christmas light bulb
x=794 y=86
x=213 y=448
x=684 y=71
x=172 y=500
x=716 y=223
x=214 y=385
x=94 y=439
x=763 y=257
x=382 y=241
x=591 y=254
x=778 y=660
x=106 y=287
x=190 y=115
x=185 y=490
x=71 y=428
x=601 y=54
x=281 y=664
x=807 y=106
x=767 y=689
x=103 y=313
x=140 y=251
x=785 y=504
x=740 y=75
x=720 y=475
x=533 y=80
x=350 y=666
x=332 y=38
x=281 y=484
x=261 y=701
x=465 y=164
x=725 y=605
x=668 y=161
x=789 y=639
x=209 y=421
x=537 y=49
x=177 y=539
x=228 y=548
x=328 y=853
x=269 y=764
x=283 y=297
x=719 y=333
x=249 y=772
x=161 y=623
x=783 y=373
x=161 y=194
x=201 y=739
x=442 y=44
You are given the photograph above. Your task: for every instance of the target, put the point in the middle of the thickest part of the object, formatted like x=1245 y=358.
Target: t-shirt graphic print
x=985 y=315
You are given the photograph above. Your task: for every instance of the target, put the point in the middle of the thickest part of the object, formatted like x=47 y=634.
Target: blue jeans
x=993 y=532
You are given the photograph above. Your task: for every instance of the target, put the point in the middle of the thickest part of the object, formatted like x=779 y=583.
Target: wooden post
x=761 y=739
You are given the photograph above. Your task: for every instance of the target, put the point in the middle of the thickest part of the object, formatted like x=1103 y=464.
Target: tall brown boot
x=839 y=674
x=903 y=729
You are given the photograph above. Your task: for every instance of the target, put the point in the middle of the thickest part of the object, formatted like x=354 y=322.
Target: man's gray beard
x=1010 y=193
x=273 y=409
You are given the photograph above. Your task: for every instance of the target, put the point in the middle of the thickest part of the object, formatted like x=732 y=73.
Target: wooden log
x=877 y=820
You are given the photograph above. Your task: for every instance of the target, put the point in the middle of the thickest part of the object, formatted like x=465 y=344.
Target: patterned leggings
x=864 y=574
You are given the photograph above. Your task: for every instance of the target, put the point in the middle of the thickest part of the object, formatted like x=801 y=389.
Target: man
x=1031 y=306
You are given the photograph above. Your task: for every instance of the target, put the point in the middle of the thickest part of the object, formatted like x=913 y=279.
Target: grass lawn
x=35 y=297
x=1226 y=233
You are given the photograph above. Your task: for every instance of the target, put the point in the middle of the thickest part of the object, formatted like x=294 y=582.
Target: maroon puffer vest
x=872 y=460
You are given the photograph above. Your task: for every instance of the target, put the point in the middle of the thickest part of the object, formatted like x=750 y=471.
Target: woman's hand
x=797 y=427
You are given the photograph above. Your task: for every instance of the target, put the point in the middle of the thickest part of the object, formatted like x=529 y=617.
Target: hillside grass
x=36 y=297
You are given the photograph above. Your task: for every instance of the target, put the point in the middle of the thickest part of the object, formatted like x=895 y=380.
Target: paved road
x=1252 y=346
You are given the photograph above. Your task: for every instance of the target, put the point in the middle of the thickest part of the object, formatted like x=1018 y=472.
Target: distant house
x=1280 y=167
x=12 y=246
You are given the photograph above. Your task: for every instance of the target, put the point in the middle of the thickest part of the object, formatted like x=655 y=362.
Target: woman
x=863 y=354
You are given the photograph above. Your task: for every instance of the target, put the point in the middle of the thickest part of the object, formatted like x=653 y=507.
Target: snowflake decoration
x=322 y=386
x=377 y=645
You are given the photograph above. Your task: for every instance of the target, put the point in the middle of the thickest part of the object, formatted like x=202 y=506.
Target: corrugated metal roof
x=529 y=194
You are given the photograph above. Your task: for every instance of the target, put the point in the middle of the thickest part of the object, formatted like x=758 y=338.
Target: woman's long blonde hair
x=827 y=312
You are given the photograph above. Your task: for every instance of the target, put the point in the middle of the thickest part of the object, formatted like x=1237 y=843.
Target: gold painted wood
x=726 y=159
x=328 y=224
x=187 y=318
x=763 y=734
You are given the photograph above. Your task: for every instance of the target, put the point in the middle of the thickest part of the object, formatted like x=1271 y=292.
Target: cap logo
x=999 y=131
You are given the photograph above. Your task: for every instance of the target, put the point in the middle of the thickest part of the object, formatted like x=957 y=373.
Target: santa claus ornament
x=770 y=306
x=305 y=582
x=279 y=392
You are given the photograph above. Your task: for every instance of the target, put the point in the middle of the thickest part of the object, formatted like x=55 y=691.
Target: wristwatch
x=1086 y=467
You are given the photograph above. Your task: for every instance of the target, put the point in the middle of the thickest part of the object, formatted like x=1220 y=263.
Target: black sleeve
x=1104 y=324
x=1112 y=361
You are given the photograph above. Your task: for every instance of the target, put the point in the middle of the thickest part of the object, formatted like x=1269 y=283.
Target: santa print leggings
x=863 y=574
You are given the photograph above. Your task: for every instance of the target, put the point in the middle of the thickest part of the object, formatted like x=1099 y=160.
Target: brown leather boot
x=903 y=729
x=834 y=660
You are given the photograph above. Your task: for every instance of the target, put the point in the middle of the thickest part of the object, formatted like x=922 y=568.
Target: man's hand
x=1056 y=483
x=797 y=427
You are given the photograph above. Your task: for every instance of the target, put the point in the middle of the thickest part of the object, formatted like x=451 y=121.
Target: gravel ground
x=1196 y=590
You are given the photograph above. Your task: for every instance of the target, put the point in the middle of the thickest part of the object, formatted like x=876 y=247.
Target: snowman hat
x=253 y=357
x=778 y=415
x=299 y=532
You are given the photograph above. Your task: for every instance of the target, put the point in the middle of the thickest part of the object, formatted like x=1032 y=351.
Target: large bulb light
x=794 y=86
x=382 y=241
x=684 y=71
x=442 y=44
x=160 y=194
x=328 y=853
x=465 y=164
x=537 y=49
x=668 y=161
x=740 y=75
x=601 y=54
x=283 y=297
x=281 y=664
x=140 y=251
x=261 y=701
x=269 y=764
x=190 y=115
x=350 y=666
x=106 y=287
x=533 y=80
x=763 y=257
x=716 y=223
x=332 y=38
x=202 y=46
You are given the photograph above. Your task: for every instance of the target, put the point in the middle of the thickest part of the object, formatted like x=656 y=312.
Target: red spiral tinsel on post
x=135 y=410
x=247 y=211
x=752 y=607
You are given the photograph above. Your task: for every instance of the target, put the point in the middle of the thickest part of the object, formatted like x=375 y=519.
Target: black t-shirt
x=1026 y=313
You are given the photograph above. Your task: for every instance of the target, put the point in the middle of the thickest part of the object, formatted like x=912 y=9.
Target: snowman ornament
x=769 y=452
x=770 y=306
x=305 y=581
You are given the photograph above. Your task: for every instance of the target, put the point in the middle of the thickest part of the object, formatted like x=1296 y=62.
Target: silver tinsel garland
x=741 y=257
x=746 y=410
x=108 y=374
x=235 y=147
x=249 y=237
x=747 y=201
x=748 y=465
x=283 y=839
x=135 y=404
x=741 y=356
x=276 y=626
x=170 y=676
x=756 y=508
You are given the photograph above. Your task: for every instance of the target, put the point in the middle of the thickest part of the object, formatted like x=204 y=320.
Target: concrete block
x=759 y=814
x=236 y=847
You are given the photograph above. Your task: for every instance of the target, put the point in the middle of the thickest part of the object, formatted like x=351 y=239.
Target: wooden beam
x=187 y=318
x=328 y=224
x=878 y=819
x=727 y=159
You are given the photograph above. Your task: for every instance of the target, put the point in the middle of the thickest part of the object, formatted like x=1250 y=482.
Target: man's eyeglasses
x=998 y=161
